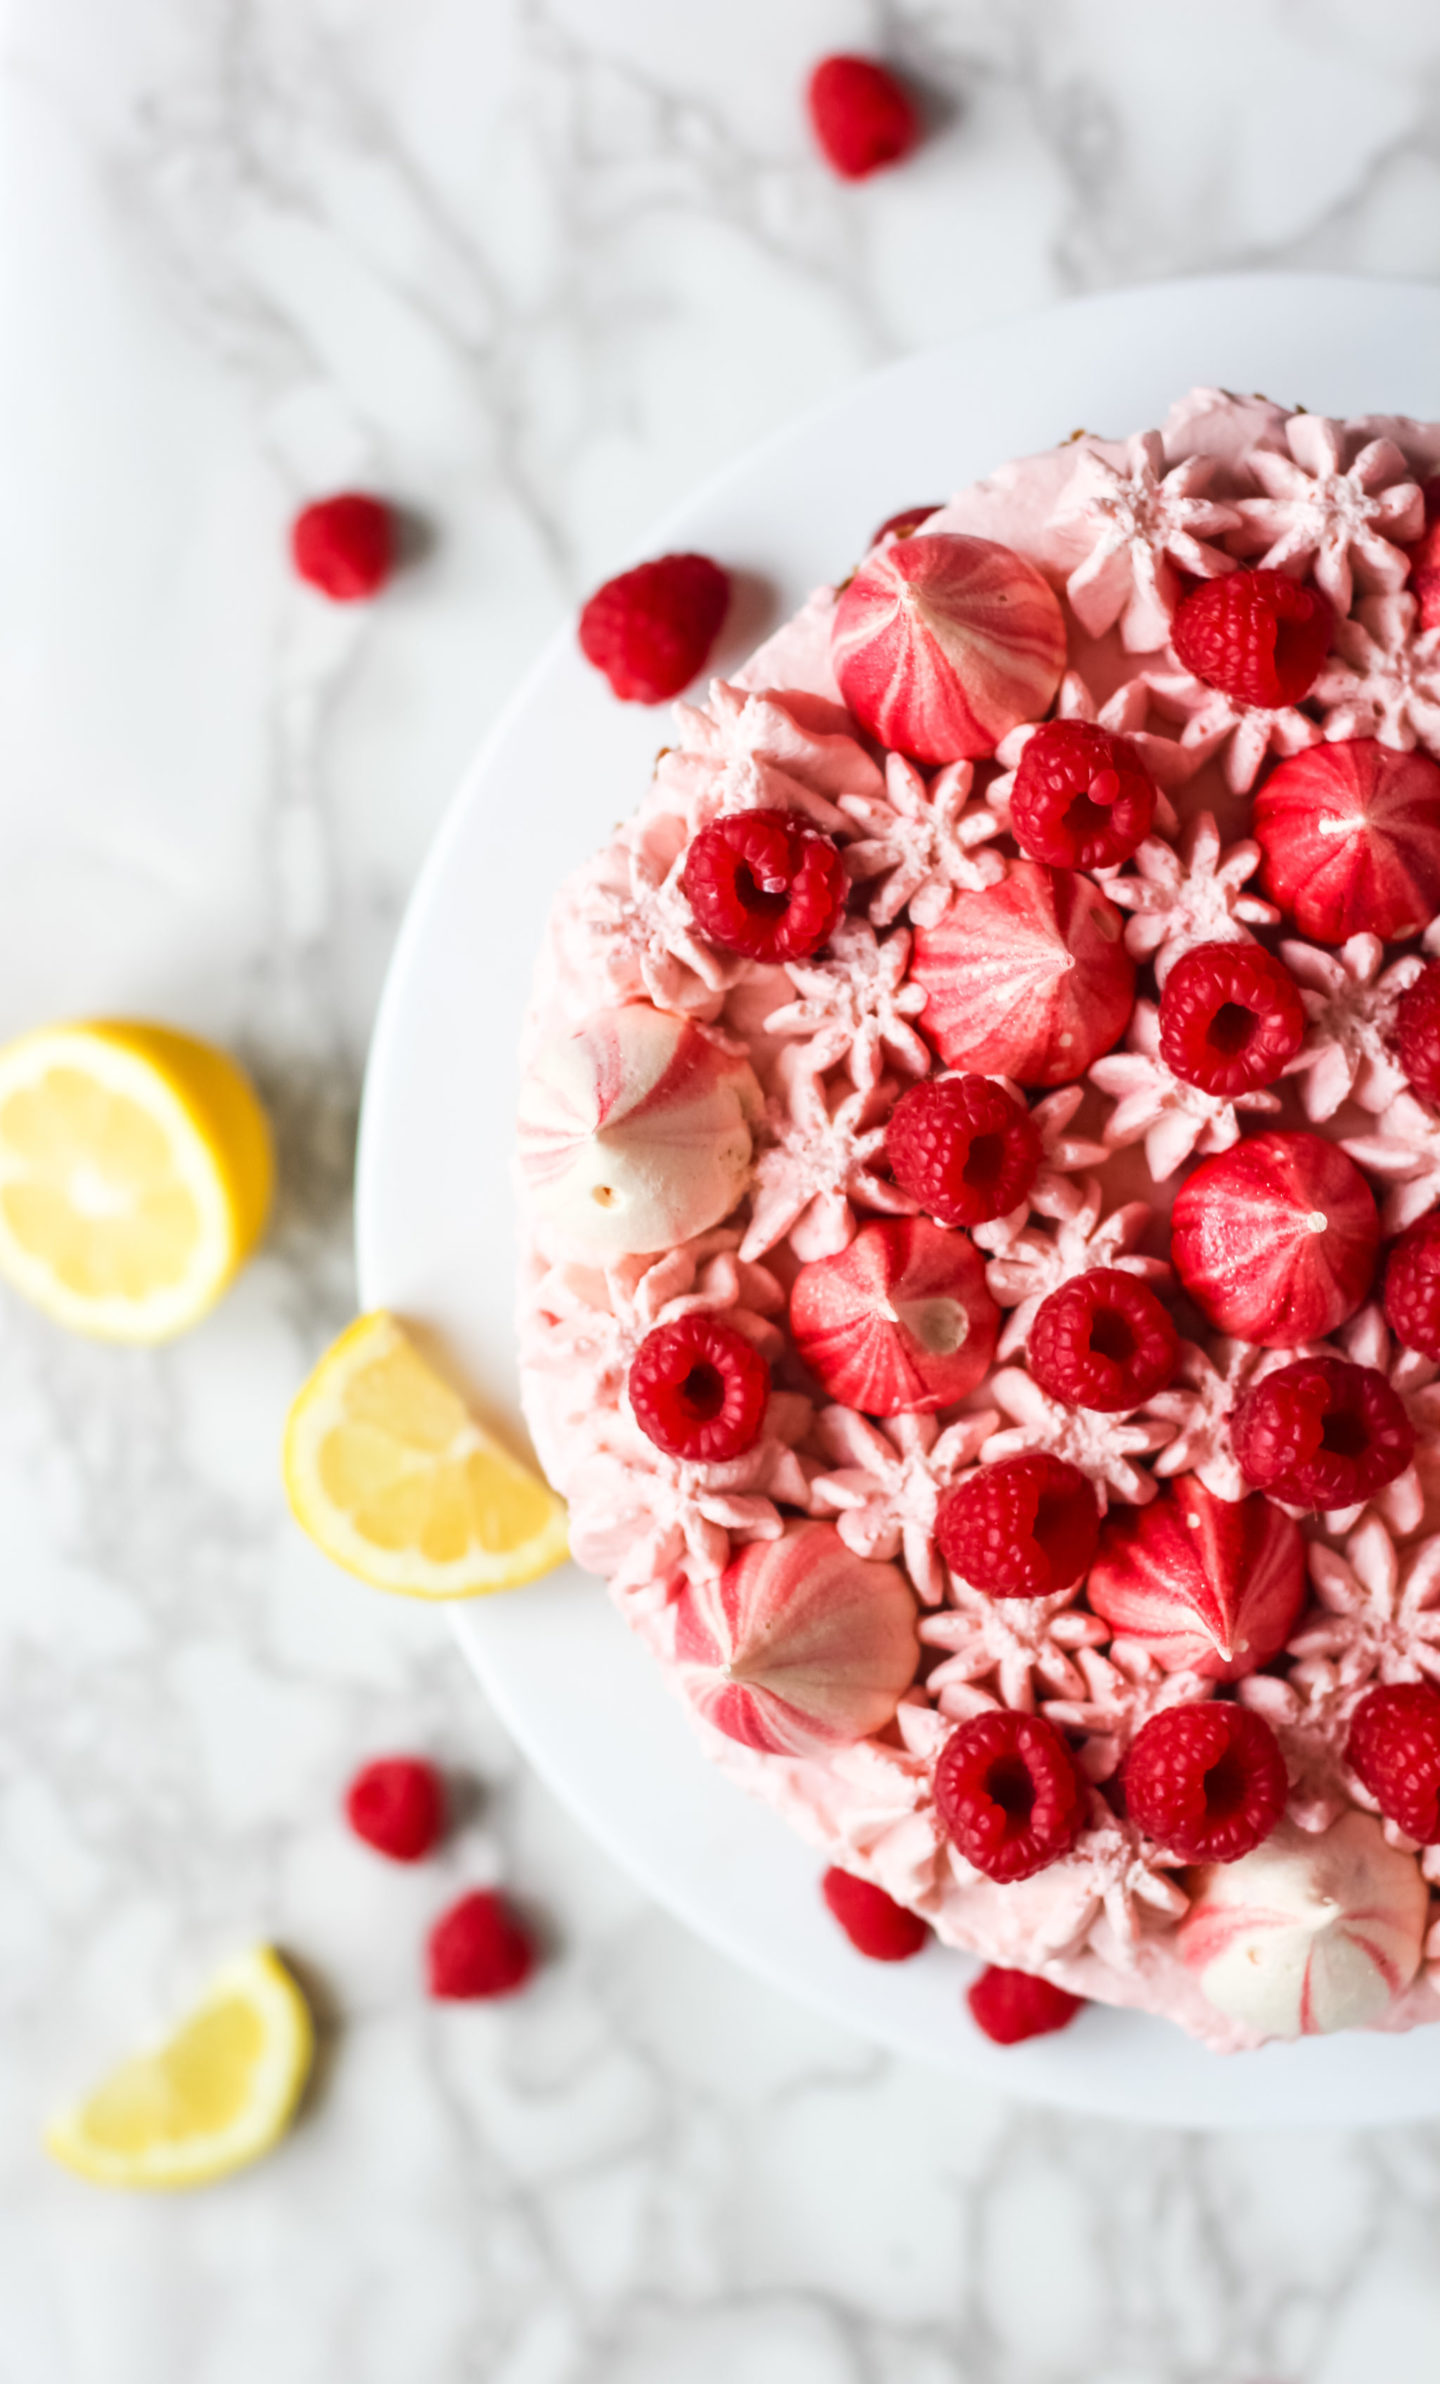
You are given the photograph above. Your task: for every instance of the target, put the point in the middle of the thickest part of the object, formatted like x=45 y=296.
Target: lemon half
x=135 y=1176
x=220 y=2093
x=389 y=1473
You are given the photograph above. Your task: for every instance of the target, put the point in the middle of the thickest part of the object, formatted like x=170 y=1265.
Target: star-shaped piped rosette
x=1196 y=895
x=1104 y=1447
x=741 y=752
x=647 y=1522
x=818 y=1162
x=628 y=922
x=1350 y=1000
x=1143 y=521
x=1199 y=1403
x=1154 y=1105
x=1054 y=1193
x=1129 y=1889
x=1339 y=524
x=1403 y=1152
x=888 y=1481
x=584 y=1325
x=1383 y=679
x=1377 y=1618
x=1125 y=714
x=1123 y=1691
x=1041 y=1258
x=917 y=844
x=1218 y=727
x=1007 y=1651
x=855 y=1005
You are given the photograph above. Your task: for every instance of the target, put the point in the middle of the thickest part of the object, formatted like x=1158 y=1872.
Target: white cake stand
x=435 y=1221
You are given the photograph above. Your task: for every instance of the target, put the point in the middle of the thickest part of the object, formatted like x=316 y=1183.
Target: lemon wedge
x=220 y=2093
x=389 y=1473
x=135 y=1176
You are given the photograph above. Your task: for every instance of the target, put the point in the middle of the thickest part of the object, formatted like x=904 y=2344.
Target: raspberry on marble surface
x=344 y=546
x=1008 y=1794
x=649 y=630
x=1103 y=1341
x=1205 y=1781
x=397 y=1805
x=863 y=119
x=478 y=1950
x=1011 y=2006
x=963 y=1147
x=699 y=1389
x=1394 y=1749
x=1322 y=1434
x=1022 y=1529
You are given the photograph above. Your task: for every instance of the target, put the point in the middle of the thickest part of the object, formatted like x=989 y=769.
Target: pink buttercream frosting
x=740 y=1108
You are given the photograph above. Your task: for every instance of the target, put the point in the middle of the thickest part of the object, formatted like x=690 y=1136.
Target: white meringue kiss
x=634 y=1134
x=1309 y=1934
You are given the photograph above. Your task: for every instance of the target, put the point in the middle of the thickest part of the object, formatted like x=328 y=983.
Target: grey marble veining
x=535 y=266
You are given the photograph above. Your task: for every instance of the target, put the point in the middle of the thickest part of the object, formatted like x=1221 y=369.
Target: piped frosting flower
x=1104 y=1447
x=920 y=842
x=1383 y=679
x=855 y=1005
x=1143 y=521
x=1005 y=1651
x=1196 y=895
x=1125 y=714
x=1218 y=726
x=1404 y=1152
x=1054 y=1193
x=646 y=1521
x=1040 y=1259
x=819 y=1160
x=1378 y=1617
x=739 y=752
x=1339 y=523
x=630 y=931
x=889 y=1480
x=1350 y=1001
x=1155 y=1105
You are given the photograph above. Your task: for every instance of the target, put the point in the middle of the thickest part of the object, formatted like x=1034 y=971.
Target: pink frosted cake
x=980 y=1155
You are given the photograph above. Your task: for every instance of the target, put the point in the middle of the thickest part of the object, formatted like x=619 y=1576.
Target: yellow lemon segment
x=135 y=1176
x=220 y=2093
x=390 y=1474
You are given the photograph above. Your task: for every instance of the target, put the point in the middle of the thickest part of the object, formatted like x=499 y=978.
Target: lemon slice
x=220 y=2093
x=390 y=1474
x=135 y=1176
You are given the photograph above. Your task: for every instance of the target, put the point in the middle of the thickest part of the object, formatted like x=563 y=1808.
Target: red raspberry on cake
x=1207 y=1782
x=344 y=546
x=1276 y=1240
x=1022 y=1529
x=649 y=630
x=1322 y=1434
x=699 y=1389
x=478 y=1950
x=1028 y=979
x=1425 y=562
x=1255 y=635
x=963 y=1147
x=1351 y=838
x=1417 y=1032
x=1394 y=1748
x=900 y=1323
x=765 y=884
x=1008 y=1794
x=1011 y=2006
x=1231 y=1018
x=941 y=645
x=1082 y=798
x=1411 y=1295
x=862 y=115
x=1104 y=1341
x=397 y=1805
x=875 y=1924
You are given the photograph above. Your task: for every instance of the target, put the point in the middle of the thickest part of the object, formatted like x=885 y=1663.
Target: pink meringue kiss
x=1202 y=1584
x=1276 y=1240
x=942 y=645
x=799 y=1645
x=1310 y=1933
x=1351 y=838
x=634 y=1134
x=901 y=1322
x=1029 y=979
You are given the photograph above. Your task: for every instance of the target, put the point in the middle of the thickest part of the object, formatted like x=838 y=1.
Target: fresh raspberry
x=1230 y=1018
x=962 y=1147
x=1417 y=1032
x=699 y=1389
x=344 y=546
x=1207 y=1781
x=765 y=883
x=397 y=1805
x=1021 y=1529
x=1103 y=1340
x=1255 y=635
x=863 y=116
x=903 y=525
x=1009 y=1794
x=1411 y=1295
x=1394 y=1748
x=1010 y=2005
x=478 y=1949
x=1082 y=798
x=1322 y=1434
x=650 y=630
x=1425 y=562
x=875 y=1924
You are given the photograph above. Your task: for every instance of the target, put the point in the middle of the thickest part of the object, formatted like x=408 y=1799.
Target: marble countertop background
x=534 y=267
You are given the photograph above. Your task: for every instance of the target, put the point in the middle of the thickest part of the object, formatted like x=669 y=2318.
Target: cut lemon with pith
x=390 y=1474
x=135 y=1176
x=220 y=2093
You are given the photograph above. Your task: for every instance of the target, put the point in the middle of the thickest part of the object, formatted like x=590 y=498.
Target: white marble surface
x=534 y=266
